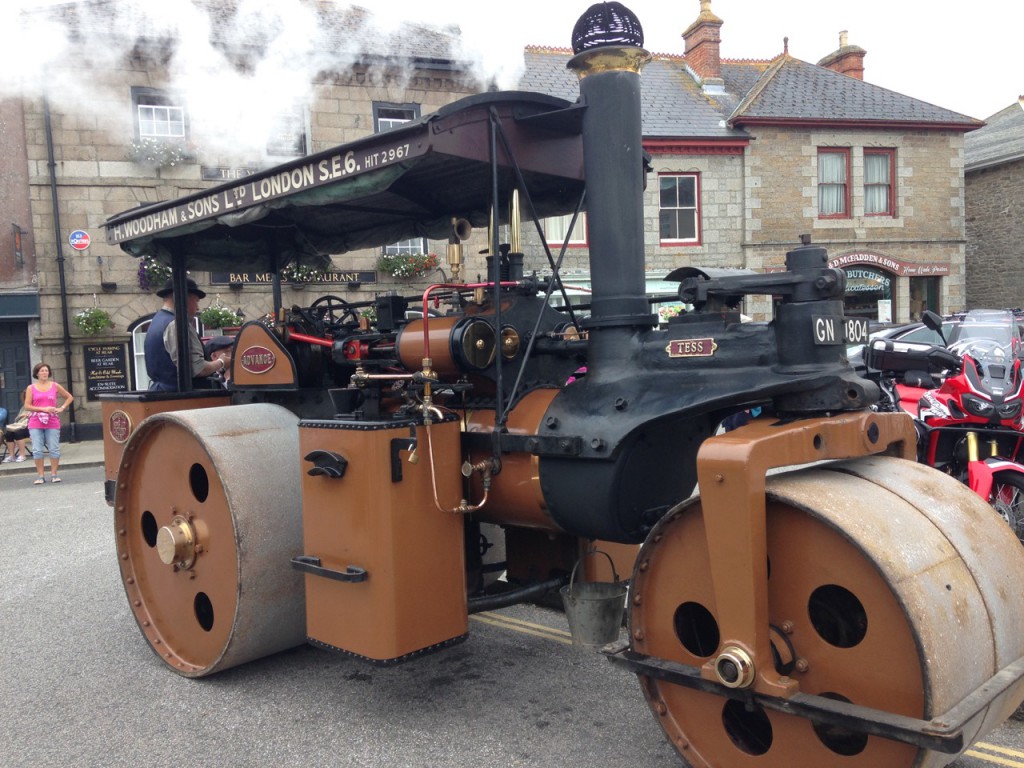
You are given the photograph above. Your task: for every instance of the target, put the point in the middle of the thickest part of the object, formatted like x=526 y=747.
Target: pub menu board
x=106 y=369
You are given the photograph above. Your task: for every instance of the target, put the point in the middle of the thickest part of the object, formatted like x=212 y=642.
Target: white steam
x=287 y=49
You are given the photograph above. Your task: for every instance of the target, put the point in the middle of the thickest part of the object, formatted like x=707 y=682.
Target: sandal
x=54 y=479
x=38 y=481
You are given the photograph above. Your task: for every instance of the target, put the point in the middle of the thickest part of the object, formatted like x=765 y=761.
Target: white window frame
x=291 y=125
x=158 y=115
x=679 y=210
x=386 y=116
x=555 y=228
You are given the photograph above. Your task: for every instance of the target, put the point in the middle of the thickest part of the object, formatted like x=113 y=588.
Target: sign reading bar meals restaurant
x=266 y=278
x=317 y=172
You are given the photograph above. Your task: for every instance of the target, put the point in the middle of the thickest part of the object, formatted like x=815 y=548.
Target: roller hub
x=176 y=543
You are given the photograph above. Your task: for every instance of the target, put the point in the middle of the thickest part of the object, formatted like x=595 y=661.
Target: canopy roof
x=403 y=183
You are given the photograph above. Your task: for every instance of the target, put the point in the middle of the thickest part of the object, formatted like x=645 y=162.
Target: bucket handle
x=572 y=576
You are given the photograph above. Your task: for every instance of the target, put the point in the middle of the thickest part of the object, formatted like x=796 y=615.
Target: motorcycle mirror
x=934 y=321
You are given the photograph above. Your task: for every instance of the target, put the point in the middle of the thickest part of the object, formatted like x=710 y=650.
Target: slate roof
x=671 y=101
x=792 y=89
x=1000 y=141
x=784 y=90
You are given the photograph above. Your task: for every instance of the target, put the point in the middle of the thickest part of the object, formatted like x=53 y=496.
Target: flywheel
x=207 y=517
x=886 y=589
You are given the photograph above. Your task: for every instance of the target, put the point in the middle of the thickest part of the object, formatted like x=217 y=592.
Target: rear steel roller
x=886 y=588
x=208 y=516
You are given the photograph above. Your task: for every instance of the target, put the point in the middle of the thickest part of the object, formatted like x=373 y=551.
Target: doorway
x=15 y=371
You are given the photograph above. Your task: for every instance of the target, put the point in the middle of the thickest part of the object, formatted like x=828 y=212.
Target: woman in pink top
x=44 y=422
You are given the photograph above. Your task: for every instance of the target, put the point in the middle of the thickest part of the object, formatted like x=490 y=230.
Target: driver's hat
x=219 y=342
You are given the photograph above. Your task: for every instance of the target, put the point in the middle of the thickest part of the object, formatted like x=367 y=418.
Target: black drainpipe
x=72 y=425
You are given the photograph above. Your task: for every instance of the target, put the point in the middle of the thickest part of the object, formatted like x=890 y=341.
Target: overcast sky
x=959 y=55
x=962 y=55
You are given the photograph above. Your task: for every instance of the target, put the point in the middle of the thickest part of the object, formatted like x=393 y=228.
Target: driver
x=161 y=345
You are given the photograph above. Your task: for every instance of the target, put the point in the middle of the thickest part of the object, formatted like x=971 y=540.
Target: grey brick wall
x=995 y=236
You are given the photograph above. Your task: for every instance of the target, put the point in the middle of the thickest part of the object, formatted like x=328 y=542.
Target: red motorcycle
x=966 y=400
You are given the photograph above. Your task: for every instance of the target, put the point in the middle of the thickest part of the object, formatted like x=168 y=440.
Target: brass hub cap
x=176 y=543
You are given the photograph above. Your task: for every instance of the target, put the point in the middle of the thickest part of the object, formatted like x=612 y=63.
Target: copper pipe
x=310 y=339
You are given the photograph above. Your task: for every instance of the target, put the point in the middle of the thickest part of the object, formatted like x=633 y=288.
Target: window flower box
x=408 y=265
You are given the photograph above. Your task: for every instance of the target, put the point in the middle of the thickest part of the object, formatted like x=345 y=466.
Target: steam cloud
x=241 y=104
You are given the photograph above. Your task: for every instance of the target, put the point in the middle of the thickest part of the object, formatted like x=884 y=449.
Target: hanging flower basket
x=219 y=317
x=159 y=152
x=300 y=273
x=152 y=274
x=93 y=321
x=407 y=265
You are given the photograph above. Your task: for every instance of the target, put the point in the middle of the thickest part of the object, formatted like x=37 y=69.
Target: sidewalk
x=84 y=453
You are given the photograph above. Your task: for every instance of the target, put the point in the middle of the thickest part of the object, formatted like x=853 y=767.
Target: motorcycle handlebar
x=903 y=356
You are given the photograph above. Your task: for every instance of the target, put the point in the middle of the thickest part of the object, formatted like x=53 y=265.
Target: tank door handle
x=311 y=564
x=400 y=444
x=327 y=464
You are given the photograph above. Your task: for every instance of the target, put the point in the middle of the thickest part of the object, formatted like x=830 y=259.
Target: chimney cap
x=607 y=24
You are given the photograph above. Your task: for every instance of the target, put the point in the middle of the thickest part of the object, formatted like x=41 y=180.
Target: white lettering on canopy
x=255 y=191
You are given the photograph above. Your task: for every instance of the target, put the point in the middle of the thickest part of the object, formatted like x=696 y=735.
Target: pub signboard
x=106 y=369
x=329 y=277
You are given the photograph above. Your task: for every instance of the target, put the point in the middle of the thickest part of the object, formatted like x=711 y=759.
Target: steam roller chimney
x=608 y=45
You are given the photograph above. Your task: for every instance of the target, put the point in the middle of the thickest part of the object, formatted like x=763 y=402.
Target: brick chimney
x=703 y=39
x=848 y=60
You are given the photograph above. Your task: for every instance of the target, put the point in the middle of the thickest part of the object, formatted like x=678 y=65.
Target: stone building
x=747 y=157
x=750 y=155
x=994 y=175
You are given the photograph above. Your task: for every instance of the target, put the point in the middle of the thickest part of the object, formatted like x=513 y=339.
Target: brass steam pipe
x=514 y=229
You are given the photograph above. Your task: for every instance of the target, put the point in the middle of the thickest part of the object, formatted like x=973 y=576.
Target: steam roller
x=207 y=509
x=888 y=588
x=854 y=609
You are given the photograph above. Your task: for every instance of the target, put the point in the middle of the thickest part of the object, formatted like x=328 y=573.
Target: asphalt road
x=80 y=687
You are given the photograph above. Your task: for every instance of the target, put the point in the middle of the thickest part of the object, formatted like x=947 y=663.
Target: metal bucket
x=594 y=608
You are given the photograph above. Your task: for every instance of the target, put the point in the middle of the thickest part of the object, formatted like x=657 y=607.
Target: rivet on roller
x=638 y=634
x=660 y=708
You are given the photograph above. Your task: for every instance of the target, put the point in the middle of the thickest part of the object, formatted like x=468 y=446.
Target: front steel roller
x=208 y=516
x=890 y=586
